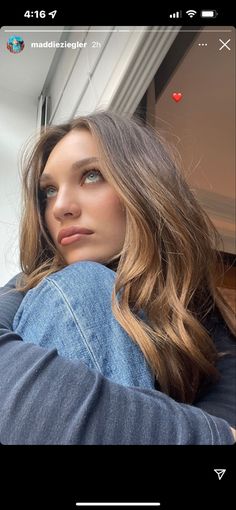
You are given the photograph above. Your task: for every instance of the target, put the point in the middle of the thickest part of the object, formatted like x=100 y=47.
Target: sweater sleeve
x=219 y=399
x=46 y=399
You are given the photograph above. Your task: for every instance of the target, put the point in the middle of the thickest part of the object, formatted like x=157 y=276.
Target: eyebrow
x=76 y=166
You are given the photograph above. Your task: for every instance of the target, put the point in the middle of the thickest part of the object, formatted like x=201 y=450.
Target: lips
x=72 y=231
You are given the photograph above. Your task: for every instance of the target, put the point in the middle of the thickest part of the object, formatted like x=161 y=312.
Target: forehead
x=75 y=145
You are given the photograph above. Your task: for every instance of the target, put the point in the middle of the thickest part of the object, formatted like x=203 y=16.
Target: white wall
x=17 y=123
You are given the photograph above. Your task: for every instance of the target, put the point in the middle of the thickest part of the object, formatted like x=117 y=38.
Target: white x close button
x=224 y=45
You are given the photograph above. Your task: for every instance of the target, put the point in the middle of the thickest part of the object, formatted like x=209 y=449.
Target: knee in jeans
x=89 y=267
x=89 y=272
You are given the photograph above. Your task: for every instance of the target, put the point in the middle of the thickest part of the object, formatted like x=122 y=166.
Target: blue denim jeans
x=71 y=311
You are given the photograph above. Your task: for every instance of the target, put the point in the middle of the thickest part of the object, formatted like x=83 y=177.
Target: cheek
x=111 y=209
x=107 y=200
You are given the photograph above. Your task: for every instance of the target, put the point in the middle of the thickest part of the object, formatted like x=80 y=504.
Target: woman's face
x=78 y=196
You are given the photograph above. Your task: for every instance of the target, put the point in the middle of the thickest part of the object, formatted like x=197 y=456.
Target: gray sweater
x=46 y=399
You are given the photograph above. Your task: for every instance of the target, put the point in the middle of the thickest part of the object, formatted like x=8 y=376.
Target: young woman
x=145 y=245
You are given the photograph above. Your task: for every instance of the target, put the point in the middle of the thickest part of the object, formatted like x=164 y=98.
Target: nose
x=66 y=204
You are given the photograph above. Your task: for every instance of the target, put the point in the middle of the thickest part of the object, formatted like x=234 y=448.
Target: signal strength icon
x=177 y=14
x=191 y=13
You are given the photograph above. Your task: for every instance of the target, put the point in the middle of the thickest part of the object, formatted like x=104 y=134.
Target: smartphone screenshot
x=175 y=73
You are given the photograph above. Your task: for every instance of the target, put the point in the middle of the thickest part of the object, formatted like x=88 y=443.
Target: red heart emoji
x=177 y=96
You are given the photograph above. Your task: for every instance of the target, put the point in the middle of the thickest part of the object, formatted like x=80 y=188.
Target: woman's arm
x=10 y=300
x=219 y=399
x=46 y=399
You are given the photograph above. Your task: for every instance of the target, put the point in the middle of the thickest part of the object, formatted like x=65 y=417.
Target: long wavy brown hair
x=169 y=263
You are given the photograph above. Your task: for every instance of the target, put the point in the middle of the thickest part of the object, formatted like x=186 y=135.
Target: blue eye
x=96 y=175
x=47 y=192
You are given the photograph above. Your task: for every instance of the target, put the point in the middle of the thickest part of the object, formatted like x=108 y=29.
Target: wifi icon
x=191 y=13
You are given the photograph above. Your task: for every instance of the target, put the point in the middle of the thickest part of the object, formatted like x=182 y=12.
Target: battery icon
x=208 y=14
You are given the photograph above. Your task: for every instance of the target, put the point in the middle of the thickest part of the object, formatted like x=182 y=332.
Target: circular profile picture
x=15 y=44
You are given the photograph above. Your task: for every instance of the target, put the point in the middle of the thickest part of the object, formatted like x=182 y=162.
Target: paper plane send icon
x=220 y=473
